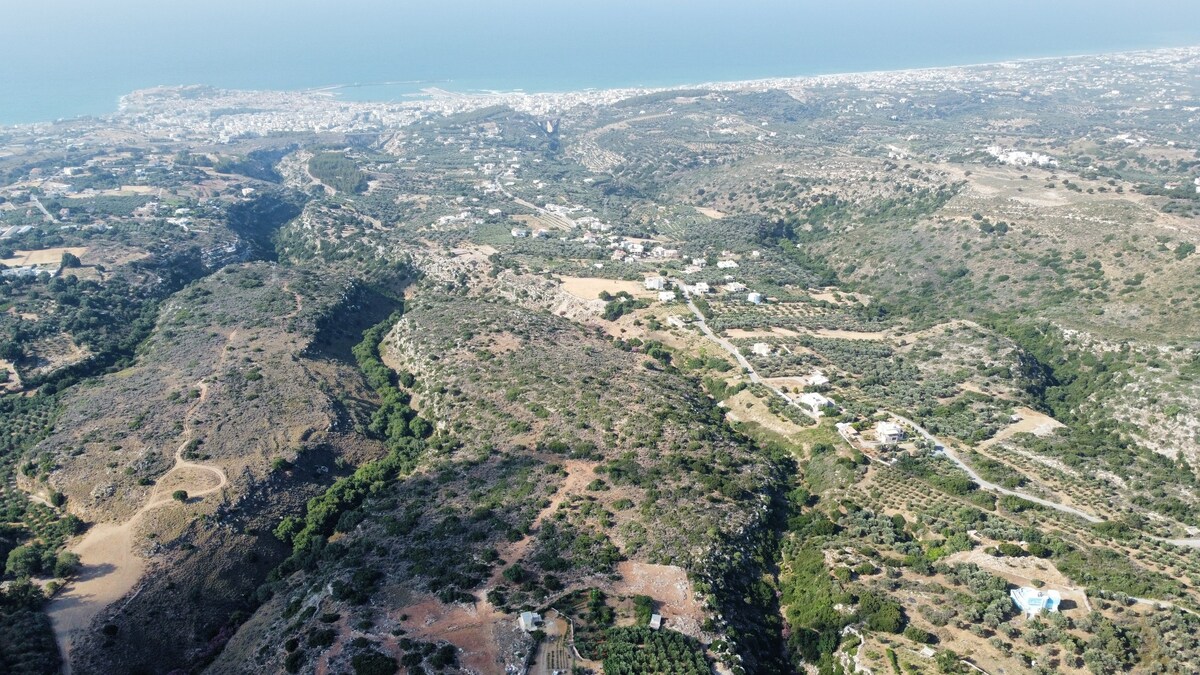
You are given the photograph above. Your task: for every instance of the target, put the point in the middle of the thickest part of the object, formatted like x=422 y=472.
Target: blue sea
x=66 y=58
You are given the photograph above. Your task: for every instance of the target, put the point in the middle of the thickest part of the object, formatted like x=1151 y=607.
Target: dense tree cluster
x=338 y=172
x=634 y=650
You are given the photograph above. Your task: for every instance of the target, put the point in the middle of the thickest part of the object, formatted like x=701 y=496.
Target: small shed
x=655 y=621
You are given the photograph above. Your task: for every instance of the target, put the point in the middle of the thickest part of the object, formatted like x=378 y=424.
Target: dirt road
x=109 y=564
x=945 y=449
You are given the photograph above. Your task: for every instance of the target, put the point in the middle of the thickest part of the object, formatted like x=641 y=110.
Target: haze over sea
x=65 y=58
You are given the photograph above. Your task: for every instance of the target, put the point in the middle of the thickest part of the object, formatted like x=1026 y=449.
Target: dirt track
x=109 y=563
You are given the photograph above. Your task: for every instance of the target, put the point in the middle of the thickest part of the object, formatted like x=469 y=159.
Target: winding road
x=943 y=448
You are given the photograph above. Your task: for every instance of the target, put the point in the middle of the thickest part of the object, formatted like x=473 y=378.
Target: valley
x=799 y=375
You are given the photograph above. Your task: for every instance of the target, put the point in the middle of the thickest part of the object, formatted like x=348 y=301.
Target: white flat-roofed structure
x=529 y=621
x=888 y=433
x=816 y=403
x=656 y=283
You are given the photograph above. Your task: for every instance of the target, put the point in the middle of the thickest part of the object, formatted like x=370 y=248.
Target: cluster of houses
x=663 y=286
x=525 y=233
x=660 y=284
x=631 y=248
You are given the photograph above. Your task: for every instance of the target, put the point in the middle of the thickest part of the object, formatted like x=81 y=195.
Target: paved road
x=942 y=447
x=38 y=203
x=953 y=457
x=737 y=354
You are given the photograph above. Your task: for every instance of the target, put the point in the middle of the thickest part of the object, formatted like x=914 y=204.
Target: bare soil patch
x=589 y=288
x=674 y=597
x=746 y=407
x=848 y=334
x=45 y=256
x=54 y=352
x=193 y=480
x=478 y=630
x=736 y=333
x=109 y=569
x=13 y=381
x=1031 y=422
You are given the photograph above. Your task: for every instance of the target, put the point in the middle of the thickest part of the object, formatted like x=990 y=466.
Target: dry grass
x=589 y=288
x=45 y=256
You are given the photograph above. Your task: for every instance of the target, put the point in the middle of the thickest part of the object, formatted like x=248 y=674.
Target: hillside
x=818 y=372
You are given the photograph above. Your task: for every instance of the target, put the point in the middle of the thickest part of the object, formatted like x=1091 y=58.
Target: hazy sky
x=95 y=50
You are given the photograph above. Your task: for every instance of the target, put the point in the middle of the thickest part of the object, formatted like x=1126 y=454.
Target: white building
x=735 y=287
x=754 y=298
x=816 y=403
x=888 y=433
x=520 y=232
x=760 y=349
x=699 y=262
x=726 y=264
x=700 y=288
x=529 y=621
x=655 y=621
x=656 y=283
x=666 y=296
x=1032 y=601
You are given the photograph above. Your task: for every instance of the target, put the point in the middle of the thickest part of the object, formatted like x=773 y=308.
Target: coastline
x=555 y=100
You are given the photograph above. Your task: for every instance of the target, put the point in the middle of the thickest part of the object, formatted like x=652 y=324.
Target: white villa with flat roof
x=1032 y=601
x=656 y=284
x=888 y=433
x=816 y=403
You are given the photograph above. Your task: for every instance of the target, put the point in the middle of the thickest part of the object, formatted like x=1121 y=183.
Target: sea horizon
x=409 y=90
x=532 y=46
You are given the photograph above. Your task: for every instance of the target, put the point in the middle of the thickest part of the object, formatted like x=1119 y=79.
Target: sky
x=75 y=56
